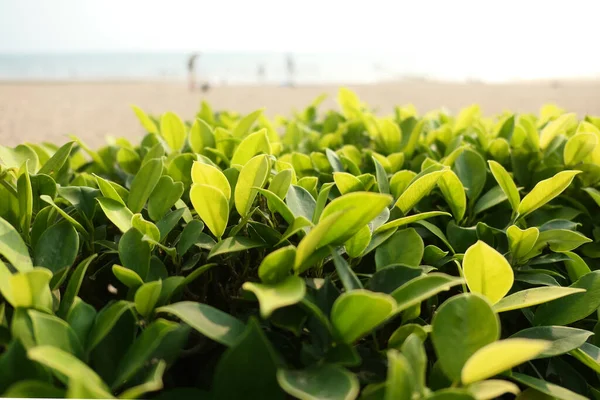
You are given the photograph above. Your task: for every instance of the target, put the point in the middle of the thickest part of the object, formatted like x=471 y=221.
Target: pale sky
x=539 y=37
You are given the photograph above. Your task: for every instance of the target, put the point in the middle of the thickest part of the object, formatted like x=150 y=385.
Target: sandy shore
x=33 y=112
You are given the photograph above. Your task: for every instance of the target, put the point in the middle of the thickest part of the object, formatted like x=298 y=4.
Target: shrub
x=347 y=255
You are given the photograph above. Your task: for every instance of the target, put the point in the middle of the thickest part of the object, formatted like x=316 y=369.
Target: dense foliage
x=334 y=255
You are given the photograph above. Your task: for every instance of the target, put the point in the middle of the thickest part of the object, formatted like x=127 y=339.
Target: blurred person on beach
x=192 y=71
x=290 y=69
x=261 y=73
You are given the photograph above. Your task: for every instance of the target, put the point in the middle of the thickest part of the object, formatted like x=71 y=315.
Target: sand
x=34 y=112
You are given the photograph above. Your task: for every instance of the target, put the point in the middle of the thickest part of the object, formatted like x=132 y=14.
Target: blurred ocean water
x=216 y=68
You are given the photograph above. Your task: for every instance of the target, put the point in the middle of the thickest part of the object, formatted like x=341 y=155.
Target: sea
x=214 y=68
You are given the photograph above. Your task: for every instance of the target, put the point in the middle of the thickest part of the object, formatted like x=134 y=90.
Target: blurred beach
x=50 y=111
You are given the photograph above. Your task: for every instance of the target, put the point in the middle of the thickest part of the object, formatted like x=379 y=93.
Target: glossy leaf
x=487 y=272
x=273 y=296
x=356 y=313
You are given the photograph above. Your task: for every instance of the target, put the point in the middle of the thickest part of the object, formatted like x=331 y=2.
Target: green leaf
x=13 y=248
x=116 y=212
x=550 y=389
x=206 y=174
x=301 y=203
x=201 y=136
x=532 y=297
x=506 y=183
x=146 y=297
x=33 y=389
x=146 y=121
x=400 y=181
x=15 y=158
x=105 y=321
x=173 y=130
x=545 y=191
x=25 y=194
x=277 y=295
x=492 y=389
x=140 y=352
x=254 y=174
x=50 y=330
x=27 y=289
x=356 y=245
x=454 y=193
x=487 y=272
x=382 y=179
x=212 y=206
x=253 y=144
x=143 y=184
x=417 y=190
x=400 y=377
x=409 y=220
x=554 y=128
x=73 y=286
x=189 y=236
x=500 y=356
x=248 y=369
x=471 y=170
x=491 y=198
x=276 y=266
x=349 y=280
x=572 y=308
x=152 y=383
x=168 y=222
x=129 y=160
x=209 y=321
x=347 y=183
x=243 y=126
x=146 y=228
x=356 y=313
x=576 y=267
x=134 y=252
x=108 y=190
x=278 y=205
x=461 y=326
x=355 y=216
x=234 y=244
x=578 y=147
x=57 y=248
x=416 y=290
x=563 y=339
x=74 y=369
x=326 y=381
x=163 y=197
x=521 y=241
x=403 y=247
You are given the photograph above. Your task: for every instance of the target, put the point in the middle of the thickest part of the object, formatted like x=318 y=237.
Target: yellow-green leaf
x=545 y=191
x=500 y=356
x=454 y=193
x=521 y=241
x=555 y=128
x=206 y=174
x=173 y=130
x=146 y=121
x=347 y=183
x=532 y=297
x=212 y=206
x=487 y=272
x=506 y=183
x=201 y=136
x=417 y=190
x=578 y=147
x=253 y=144
x=254 y=174
x=277 y=295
